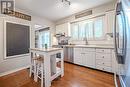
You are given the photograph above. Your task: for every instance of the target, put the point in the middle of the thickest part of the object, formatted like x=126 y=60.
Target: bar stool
x=40 y=69
x=33 y=66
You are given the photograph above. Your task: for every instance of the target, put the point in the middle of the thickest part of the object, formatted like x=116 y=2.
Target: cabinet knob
x=103 y=57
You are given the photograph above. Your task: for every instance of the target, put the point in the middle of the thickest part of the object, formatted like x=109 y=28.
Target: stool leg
x=30 y=73
x=42 y=75
x=35 y=71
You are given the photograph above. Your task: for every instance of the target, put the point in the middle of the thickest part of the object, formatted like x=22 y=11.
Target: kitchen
x=86 y=44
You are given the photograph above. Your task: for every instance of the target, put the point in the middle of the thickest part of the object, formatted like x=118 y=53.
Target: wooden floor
x=75 y=76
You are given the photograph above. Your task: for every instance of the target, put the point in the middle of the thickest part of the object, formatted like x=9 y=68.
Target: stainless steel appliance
x=68 y=54
x=122 y=42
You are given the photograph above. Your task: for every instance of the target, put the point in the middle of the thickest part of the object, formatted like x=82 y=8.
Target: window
x=74 y=31
x=98 y=28
x=44 y=38
x=82 y=33
x=91 y=29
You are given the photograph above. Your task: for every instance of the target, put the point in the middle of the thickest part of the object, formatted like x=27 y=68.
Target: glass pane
x=98 y=28
x=74 y=31
x=81 y=30
x=44 y=38
x=89 y=30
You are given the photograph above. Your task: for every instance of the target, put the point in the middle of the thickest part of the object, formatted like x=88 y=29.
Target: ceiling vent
x=83 y=14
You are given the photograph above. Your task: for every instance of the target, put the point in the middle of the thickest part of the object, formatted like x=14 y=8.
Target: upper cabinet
x=63 y=28
x=110 y=16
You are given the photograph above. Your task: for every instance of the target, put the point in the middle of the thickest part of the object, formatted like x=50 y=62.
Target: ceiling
x=55 y=9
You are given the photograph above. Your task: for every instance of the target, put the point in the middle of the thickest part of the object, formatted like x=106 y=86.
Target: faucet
x=86 y=41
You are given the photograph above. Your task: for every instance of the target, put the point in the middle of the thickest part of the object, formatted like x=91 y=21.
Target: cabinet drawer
x=105 y=57
x=108 y=69
x=103 y=63
x=99 y=62
x=88 y=49
x=99 y=67
x=103 y=50
x=104 y=68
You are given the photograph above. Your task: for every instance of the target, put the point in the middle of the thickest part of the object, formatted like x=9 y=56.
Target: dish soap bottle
x=45 y=46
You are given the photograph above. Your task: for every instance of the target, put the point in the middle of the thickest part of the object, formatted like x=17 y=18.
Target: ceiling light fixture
x=68 y=1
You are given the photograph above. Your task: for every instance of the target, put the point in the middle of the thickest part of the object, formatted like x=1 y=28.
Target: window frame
x=44 y=31
x=93 y=29
x=74 y=39
x=103 y=28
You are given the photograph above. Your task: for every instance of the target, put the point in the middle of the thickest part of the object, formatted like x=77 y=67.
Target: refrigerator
x=122 y=42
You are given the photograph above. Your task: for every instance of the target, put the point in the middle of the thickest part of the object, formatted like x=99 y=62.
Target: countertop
x=46 y=50
x=91 y=46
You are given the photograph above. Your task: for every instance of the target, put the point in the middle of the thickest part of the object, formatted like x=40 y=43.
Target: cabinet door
x=78 y=59
x=89 y=59
x=63 y=28
x=114 y=63
x=78 y=56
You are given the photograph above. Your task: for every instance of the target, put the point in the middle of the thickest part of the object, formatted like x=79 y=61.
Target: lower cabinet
x=97 y=58
x=89 y=59
x=84 y=57
x=78 y=56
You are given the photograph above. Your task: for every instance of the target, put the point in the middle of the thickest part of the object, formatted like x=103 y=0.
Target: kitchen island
x=50 y=63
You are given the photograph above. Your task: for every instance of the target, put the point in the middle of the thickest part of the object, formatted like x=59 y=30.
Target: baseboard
x=12 y=71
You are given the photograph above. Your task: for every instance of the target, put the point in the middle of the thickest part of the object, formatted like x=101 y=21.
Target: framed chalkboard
x=17 y=39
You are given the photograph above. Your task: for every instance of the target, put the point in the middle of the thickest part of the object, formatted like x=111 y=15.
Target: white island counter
x=49 y=62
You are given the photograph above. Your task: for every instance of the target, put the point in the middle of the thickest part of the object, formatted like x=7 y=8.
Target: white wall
x=10 y=65
x=96 y=11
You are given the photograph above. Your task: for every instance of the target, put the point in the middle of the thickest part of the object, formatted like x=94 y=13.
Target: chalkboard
x=17 y=39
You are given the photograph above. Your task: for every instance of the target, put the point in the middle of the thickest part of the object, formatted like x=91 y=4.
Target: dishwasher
x=68 y=54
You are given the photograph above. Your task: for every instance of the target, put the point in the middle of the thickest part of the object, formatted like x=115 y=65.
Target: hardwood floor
x=75 y=76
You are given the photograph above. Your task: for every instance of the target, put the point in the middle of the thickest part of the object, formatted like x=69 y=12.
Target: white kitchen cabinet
x=98 y=58
x=104 y=59
x=89 y=59
x=78 y=56
x=85 y=57
x=110 y=16
x=63 y=28
x=114 y=63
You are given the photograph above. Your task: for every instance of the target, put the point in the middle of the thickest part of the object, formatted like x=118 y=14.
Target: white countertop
x=46 y=50
x=91 y=46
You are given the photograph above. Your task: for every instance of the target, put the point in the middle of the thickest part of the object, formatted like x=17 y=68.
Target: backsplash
x=108 y=41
